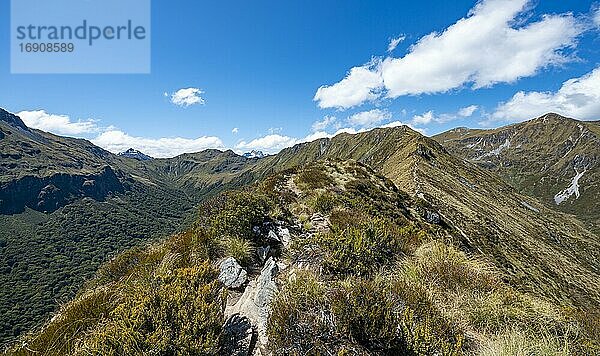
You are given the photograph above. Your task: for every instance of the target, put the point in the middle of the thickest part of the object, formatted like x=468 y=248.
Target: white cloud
x=488 y=46
x=422 y=131
x=269 y=143
x=118 y=141
x=394 y=42
x=429 y=116
x=187 y=96
x=360 y=85
x=467 y=111
x=578 y=98
x=274 y=143
x=423 y=119
x=57 y=124
x=369 y=118
x=325 y=123
x=596 y=16
x=235 y=130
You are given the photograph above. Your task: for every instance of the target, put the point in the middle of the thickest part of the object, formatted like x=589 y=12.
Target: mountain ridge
x=537 y=248
x=540 y=157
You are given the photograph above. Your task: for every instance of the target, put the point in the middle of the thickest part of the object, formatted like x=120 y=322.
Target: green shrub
x=241 y=211
x=340 y=219
x=323 y=202
x=357 y=316
x=300 y=321
x=368 y=312
x=364 y=247
x=313 y=177
x=181 y=313
x=376 y=199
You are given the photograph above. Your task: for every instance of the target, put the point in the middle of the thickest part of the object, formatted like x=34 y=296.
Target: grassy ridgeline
x=376 y=280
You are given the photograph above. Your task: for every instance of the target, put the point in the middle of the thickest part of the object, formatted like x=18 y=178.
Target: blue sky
x=282 y=72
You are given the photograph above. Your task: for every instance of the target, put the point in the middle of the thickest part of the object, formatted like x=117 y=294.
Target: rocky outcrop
x=231 y=274
x=256 y=300
x=280 y=235
x=135 y=154
x=50 y=193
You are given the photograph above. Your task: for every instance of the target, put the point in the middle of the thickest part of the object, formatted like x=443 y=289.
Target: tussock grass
x=323 y=202
x=377 y=282
x=59 y=336
x=518 y=343
x=241 y=249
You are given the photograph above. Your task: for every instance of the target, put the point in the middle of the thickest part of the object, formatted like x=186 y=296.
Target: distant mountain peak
x=254 y=154
x=12 y=119
x=135 y=154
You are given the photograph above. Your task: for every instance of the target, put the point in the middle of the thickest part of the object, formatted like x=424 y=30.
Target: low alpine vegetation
x=363 y=274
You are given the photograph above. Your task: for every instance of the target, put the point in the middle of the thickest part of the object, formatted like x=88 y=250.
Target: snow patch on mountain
x=135 y=154
x=473 y=145
x=496 y=151
x=254 y=154
x=572 y=189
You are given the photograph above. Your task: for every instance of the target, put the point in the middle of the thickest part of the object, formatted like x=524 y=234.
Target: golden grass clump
x=241 y=249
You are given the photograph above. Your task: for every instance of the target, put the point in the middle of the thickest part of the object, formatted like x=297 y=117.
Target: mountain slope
x=67 y=205
x=553 y=158
x=330 y=258
x=539 y=249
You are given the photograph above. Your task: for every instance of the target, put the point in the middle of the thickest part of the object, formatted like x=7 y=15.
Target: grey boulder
x=231 y=274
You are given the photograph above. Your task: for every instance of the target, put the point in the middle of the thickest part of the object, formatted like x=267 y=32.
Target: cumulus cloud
x=325 y=123
x=235 y=130
x=394 y=42
x=467 y=111
x=360 y=85
x=119 y=141
x=274 y=143
x=486 y=47
x=57 y=124
x=269 y=143
x=423 y=119
x=429 y=116
x=369 y=118
x=187 y=96
x=577 y=97
x=397 y=123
